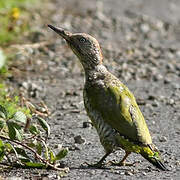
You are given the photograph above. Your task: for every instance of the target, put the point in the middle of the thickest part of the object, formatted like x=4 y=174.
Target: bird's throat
x=97 y=73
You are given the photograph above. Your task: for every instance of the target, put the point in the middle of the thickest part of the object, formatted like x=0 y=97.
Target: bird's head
x=84 y=46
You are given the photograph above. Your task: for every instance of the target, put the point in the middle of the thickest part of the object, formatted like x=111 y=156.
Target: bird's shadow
x=86 y=167
x=109 y=168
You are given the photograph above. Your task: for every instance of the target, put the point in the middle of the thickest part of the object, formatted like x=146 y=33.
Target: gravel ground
x=140 y=41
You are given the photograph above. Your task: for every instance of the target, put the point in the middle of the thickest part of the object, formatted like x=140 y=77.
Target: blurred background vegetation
x=15 y=16
x=13 y=19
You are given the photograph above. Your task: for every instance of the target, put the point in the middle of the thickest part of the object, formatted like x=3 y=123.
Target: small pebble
x=58 y=146
x=149 y=106
x=163 y=139
x=159 y=24
x=129 y=173
x=171 y=101
x=144 y=28
x=122 y=173
x=74 y=147
x=157 y=77
x=87 y=124
x=177 y=163
x=170 y=56
x=151 y=97
x=79 y=140
x=25 y=85
x=167 y=81
x=155 y=103
x=178 y=54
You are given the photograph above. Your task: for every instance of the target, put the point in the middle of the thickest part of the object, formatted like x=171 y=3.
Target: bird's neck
x=97 y=73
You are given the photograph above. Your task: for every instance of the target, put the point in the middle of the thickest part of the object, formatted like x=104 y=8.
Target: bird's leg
x=122 y=162
x=100 y=162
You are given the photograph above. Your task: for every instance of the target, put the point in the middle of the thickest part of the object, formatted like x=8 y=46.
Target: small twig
x=40 y=113
x=35 y=153
x=46 y=108
x=32 y=137
x=27 y=125
x=33 y=109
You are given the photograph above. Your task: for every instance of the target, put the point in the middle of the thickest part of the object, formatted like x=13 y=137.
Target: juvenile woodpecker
x=110 y=105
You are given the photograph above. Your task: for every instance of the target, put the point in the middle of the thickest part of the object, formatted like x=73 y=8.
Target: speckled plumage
x=110 y=105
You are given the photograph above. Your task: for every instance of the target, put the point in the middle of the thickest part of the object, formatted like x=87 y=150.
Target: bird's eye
x=82 y=39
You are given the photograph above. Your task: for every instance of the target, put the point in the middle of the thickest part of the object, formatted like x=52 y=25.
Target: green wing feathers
x=119 y=109
x=131 y=114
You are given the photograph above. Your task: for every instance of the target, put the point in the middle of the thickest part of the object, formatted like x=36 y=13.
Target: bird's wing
x=119 y=109
x=128 y=117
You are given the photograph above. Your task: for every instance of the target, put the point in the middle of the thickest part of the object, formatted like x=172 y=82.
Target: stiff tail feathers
x=156 y=162
x=152 y=155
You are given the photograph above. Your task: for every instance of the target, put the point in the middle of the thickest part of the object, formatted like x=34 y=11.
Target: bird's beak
x=64 y=34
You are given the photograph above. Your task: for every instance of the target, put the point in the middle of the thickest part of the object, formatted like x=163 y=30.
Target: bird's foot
x=121 y=163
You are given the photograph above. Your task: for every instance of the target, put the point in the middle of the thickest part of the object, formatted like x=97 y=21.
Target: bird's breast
x=104 y=130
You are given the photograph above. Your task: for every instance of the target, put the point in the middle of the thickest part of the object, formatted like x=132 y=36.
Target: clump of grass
x=24 y=136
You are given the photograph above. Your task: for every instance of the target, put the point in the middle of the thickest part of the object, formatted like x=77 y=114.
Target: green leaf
x=8 y=147
x=20 y=117
x=2 y=150
x=46 y=150
x=3 y=112
x=39 y=148
x=35 y=165
x=16 y=99
x=11 y=129
x=10 y=108
x=22 y=152
x=61 y=154
x=14 y=130
x=2 y=115
x=24 y=160
x=2 y=124
x=33 y=143
x=44 y=125
x=52 y=156
x=18 y=135
x=33 y=129
x=1 y=143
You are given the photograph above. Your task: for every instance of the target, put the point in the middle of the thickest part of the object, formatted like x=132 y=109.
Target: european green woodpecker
x=110 y=105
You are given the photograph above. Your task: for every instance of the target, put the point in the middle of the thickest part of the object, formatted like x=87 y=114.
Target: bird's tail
x=153 y=156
